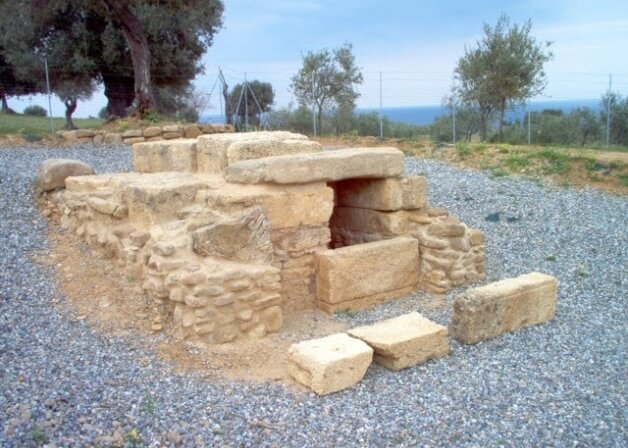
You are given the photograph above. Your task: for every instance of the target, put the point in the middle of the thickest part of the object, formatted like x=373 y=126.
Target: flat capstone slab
x=327 y=166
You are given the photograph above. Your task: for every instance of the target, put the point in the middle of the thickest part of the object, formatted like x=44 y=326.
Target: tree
x=11 y=84
x=619 y=117
x=503 y=69
x=586 y=123
x=328 y=79
x=163 y=40
x=257 y=100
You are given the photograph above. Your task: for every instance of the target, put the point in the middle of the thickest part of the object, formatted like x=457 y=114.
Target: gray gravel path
x=560 y=384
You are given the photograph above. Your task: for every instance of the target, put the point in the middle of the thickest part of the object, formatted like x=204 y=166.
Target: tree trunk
x=135 y=37
x=228 y=111
x=119 y=93
x=320 y=120
x=502 y=111
x=5 y=104
x=70 y=107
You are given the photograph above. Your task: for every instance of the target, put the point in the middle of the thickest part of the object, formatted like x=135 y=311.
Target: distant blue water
x=424 y=115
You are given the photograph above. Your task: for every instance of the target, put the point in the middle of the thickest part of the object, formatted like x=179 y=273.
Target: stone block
x=391 y=194
x=327 y=166
x=191 y=131
x=362 y=220
x=113 y=138
x=256 y=149
x=355 y=277
x=171 y=135
x=329 y=364
x=85 y=133
x=504 y=306
x=404 y=341
x=171 y=128
x=289 y=206
x=173 y=155
x=53 y=172
x=132 y=140
x=244 y=237
x=132 y=133
x=212 y=149
x=152 y=131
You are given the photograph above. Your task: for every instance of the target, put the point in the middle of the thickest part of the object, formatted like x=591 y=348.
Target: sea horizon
x=425 y=115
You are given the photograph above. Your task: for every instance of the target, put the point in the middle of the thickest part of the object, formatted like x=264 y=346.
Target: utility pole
x=246 y=104
x=381 y=109
x=453 y=108
x=313 y=104
x=608 y=111
x=52 y=129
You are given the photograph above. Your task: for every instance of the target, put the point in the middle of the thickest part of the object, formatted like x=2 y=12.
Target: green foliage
x=35 y=111
x=462 y=150
x=328 y=79
x=38 y=436
x=35 y=128
x=619 y=120
x=503 y=69
x=256 y=102
x=517 y=162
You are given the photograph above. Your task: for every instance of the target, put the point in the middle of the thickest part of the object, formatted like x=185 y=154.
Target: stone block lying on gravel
x=329 y=364
x=504 y=306
x=404 y=341
x=53 y=172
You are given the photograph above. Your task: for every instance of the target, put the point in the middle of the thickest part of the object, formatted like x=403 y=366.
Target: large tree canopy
x=129 y=47
x=503 y=69
x=328 y=79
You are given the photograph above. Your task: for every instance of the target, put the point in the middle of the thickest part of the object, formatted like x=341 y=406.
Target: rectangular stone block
x=287 y=206
x=391 y=194
x=404 y=341
x=212 y=149
x=172 y=155
x=256 y=149
x=329 y=364
x=504 y=306
x=327 y=166
x=358 y=275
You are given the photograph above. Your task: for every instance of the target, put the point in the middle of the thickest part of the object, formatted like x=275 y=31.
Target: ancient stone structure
x=230 y=231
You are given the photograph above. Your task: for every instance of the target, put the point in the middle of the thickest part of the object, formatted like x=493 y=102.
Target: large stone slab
x=212 y=149
x=359 y=276
x=171 y=155
x=404 y=341
x=54 y=172
x=328 y=166
x=391 y=194
x=257 y=149
x=285 y=206
x=329 y=364
x=504 y=306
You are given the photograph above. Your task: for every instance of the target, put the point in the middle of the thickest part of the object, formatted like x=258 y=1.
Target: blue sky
x=415 y=44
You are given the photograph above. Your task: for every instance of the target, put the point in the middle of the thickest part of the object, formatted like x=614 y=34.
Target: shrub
x=35 y=111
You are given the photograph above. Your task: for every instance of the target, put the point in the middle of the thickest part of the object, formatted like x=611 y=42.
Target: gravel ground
x=559 y=384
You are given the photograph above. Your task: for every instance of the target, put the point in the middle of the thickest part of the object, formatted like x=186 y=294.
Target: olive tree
x=501 y=70
x=328 y=79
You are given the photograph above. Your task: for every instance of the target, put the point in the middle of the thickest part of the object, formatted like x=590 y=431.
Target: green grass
x=35 y=128
x=623 y=180
x=463 y=150
x=517 y=162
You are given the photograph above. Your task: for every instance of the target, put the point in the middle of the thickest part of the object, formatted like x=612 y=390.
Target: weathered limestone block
x=504 y=306
x=296 y=241
x=152 y=131
x=327 y=166
x=391 y=194
x=256 y=149
x=404 y=341
x=245 y=238
x=329 y=364
x=132 y=133
x=171 y=135
x=133 y=140
x=285 y=206
x=85 y=133
x=113 y=138
x=212 y=149
x=173 y=155
x=191 y=131
x=171 y=128
x=54 y=172
x=357 y=277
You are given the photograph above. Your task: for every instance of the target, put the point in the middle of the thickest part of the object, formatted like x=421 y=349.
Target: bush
x=103 y=114
x=35 y=111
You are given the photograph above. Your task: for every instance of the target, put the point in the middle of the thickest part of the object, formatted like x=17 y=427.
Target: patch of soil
x=98 y=292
